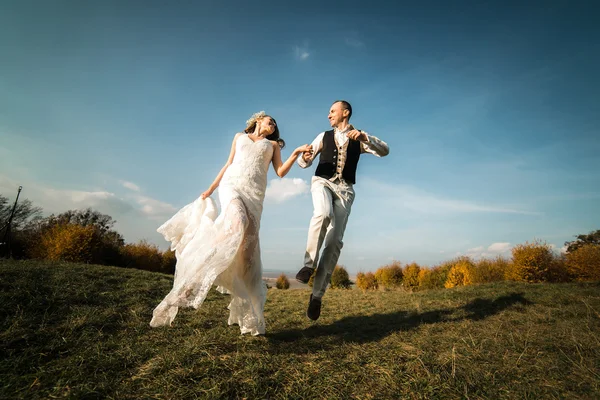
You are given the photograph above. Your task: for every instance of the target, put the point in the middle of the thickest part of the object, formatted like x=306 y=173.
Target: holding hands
x=307 y=152
x=304 y=149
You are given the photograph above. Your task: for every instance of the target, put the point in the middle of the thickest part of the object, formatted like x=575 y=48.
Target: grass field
x=82 y=331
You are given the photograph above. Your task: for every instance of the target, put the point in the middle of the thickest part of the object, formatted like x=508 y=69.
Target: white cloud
x=137 y=216
x=155 y=209
x=130 y=185
x=411 y=198
x=502 y=247
x=493 y=250
x=563 y=250
x=301 y=52
x=280 y=190
x=60 y=200
x=475 y=250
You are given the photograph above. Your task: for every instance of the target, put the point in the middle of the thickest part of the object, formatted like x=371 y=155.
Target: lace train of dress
x=222 y=249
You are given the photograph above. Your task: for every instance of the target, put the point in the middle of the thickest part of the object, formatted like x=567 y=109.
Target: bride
x=223 y=249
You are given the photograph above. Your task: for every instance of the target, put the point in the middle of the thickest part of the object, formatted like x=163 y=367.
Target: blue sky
x=490 y=109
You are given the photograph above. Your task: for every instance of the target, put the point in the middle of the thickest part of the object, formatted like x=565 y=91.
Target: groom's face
x=337 y=113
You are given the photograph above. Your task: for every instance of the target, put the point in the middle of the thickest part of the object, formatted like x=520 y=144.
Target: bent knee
x=335 y=244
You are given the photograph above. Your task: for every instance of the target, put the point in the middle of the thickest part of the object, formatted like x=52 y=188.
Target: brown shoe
x=303 y=276
x=314 y=308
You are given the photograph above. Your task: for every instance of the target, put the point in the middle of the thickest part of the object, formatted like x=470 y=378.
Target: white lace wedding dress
x=222 y=249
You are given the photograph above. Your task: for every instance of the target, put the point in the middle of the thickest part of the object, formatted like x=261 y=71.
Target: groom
x=332 y=194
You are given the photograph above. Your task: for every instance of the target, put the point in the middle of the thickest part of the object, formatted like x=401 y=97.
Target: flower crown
x=254 y=118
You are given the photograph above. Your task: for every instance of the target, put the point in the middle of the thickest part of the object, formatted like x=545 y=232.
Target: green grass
x=82 y=331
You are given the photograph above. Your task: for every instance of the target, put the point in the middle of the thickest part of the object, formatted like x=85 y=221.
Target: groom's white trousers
x=332 y=202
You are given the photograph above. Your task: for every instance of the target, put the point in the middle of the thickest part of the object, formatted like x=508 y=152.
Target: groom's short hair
x=345 y=106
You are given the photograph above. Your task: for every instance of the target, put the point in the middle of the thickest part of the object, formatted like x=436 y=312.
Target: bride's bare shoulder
x=237 y=136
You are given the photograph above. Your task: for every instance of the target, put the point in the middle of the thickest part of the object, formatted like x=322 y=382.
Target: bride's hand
x=206 y=194
x=305 y=149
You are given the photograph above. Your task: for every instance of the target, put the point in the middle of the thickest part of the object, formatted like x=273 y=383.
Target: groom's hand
x=358 y=135
x=307 y=155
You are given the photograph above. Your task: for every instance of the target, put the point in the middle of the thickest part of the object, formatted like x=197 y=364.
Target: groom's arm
x=374 y=145
x=317 y=145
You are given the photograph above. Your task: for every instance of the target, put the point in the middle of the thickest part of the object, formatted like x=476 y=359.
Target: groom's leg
x=322 y=214
x=333 y=243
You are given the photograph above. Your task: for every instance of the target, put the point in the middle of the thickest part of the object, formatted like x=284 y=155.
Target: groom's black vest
x=329 y=158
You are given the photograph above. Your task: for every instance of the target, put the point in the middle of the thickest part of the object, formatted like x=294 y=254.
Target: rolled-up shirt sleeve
x=374 y=146
x=317 y=145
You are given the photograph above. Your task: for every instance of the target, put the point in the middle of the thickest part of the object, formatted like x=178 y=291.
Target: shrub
x=142 y=255
x=532 y=262
x=282 y=282
x=20 y=244
x=311 y=280
x=410 y=276
x=340 y=278
x=169 y=261
x=493 y=270
x=106 y=243
x=558 y=270
x=68 y=242
x=434 y=278
x=461 y=273
x=389 y=276
x=583 y=263
x=366 y=281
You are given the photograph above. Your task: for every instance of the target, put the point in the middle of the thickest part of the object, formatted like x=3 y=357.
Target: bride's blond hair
x=251 y=125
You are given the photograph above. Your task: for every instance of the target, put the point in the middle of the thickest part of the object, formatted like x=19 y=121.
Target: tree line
x=82 y=236
x=88 y=236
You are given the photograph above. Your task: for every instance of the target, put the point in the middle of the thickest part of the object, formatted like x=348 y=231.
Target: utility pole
x=6 y=240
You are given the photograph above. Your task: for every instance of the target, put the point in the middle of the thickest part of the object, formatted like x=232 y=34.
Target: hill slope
x=82 y=331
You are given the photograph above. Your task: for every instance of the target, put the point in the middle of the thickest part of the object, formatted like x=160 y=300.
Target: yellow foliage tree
x=461 y=274
x=143 y=255
x=389 y=276
x=282 y=282
x=410 y=276
x=366 y=281
x=490 y=270
x=340 y=278
x=169 y=261
x=103 y=245
x=67 y=242
x=531 y=262
x=434 y=278
x=311 y=280
x=583 y=263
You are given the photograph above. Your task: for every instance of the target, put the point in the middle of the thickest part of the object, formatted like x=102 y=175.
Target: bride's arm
x=282 y=168
x=217 y=180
